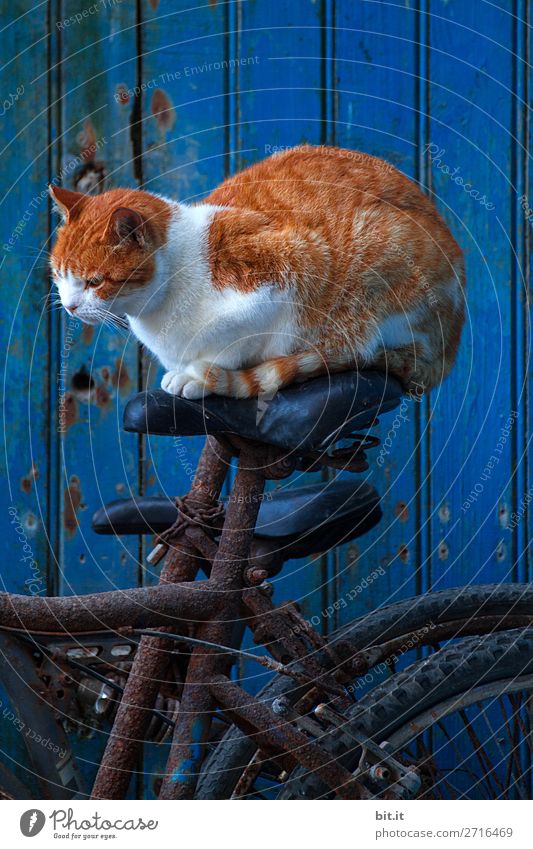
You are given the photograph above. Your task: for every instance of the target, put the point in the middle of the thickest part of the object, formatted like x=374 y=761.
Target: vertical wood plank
x=281 y=78
x=473 y=415
x=24 y=321
x=96 y=368
x=525 y=229
x=477 y=417
x=183 y=104
x=377 y=111
x=25 y=518
x=93 y=153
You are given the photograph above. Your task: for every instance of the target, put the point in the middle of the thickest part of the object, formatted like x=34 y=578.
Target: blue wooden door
x=174 y=98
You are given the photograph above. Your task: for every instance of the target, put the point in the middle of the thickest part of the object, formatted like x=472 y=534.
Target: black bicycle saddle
x=303 y=417
x=301 y=521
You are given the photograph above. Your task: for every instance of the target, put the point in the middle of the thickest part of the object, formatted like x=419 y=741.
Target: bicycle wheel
x=225 y=765
x=461 y=718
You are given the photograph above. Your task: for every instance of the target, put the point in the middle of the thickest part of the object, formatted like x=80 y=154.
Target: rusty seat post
x=207 y=685
x=256 y=464
x=151 y=659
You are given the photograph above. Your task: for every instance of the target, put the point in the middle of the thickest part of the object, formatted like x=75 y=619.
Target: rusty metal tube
x=227 y=576
x=145 y=607
x=271 y=732
x=149 y=667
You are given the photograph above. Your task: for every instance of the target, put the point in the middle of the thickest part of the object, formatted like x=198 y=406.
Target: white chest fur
x=187 y=318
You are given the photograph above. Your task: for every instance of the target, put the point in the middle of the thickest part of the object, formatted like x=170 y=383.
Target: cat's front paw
x=174 y=381
x=184 y=383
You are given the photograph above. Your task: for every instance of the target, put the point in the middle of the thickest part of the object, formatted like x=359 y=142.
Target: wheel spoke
x=460 y=755
x=465 y=734
x=516 y=698
x=480 y=752
x=429 y=763
x=514 y=738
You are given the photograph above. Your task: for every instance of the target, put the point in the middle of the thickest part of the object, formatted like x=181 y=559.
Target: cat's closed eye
x=93 y=282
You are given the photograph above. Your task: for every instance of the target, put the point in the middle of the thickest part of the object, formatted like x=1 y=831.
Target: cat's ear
x=68 y=204
x=126 y=225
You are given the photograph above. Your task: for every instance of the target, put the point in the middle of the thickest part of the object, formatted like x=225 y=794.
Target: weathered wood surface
x=173 y=98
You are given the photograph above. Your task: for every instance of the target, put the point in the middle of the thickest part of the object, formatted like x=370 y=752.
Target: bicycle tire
x=457 y=603
x=225 y=763
x=446 y=674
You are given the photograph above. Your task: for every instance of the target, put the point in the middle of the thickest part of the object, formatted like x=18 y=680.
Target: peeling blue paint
x=187 y=770
x=367 y=88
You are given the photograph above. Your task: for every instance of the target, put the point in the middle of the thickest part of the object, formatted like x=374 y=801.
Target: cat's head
x=105 y=256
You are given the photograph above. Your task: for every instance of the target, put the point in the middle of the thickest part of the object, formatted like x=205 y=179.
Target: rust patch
x=102 y=396
x=443 y=551
x=352 y=554
x=69 y=411
x=154 y=4
x=90 y=179
x=403 y=553
x=120 y=377
x=71 y=505
x=501 y=552
x=163 y=110
x=87 y=141
x=122 y=94
x=87 y=333
x=27 y=480
x=444 y=513
x=401 y=510
x=212 y=3
x=503 y=514
x=105 y=374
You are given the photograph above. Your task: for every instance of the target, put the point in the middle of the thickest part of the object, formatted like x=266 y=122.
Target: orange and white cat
x=314 y=260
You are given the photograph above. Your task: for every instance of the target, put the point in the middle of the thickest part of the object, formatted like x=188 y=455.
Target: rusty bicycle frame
x=205 y=613
x=209 y=615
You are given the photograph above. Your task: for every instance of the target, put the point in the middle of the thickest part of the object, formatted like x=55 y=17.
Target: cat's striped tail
x=268 y=377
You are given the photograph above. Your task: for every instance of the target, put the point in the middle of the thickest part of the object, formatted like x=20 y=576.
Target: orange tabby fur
x=327 y=216
x=374 y=273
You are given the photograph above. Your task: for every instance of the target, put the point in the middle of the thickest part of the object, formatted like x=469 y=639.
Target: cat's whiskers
x=50 y=301
x=32 y=249
x=51 y=295
x=116 y=328
x=111 y=320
